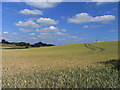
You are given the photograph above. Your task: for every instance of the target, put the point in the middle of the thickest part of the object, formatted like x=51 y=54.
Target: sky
x=59 y=22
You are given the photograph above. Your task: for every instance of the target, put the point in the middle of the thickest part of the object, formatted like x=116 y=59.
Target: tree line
x=39 y=44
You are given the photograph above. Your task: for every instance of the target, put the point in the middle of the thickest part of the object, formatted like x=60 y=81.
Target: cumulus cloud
x=42 y=36
x=38 y=3
x=86 y=26
x=112 y=31
x=25 y=30
x=63 y=30
x=48 y=29
x=34 y=38
x=51 y=28
x=60 y=33
x=34 y=12
x=44 y=3
x=44 y=33
x=32 y=34
x=15 y=33
x=60 y=0
x=95 y=26
x=8 y=35
x=72 y=37
x=5 y=32
x=85 y=18
x=39 y=22
x=91 y=26
x=104 y=0
x=99 y=2
x=29 y=24
x=46 y=21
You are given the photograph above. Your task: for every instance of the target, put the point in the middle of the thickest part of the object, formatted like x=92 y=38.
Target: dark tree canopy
x=4 y=42
x=39 y=44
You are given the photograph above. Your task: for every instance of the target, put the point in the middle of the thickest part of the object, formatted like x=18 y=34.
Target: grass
x=61 y=66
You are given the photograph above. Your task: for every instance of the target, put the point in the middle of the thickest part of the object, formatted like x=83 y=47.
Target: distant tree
x=50 y=45
x=26 y=47
x=5 y=42
x=39 y=44
x=32 y=45
x=18 y=44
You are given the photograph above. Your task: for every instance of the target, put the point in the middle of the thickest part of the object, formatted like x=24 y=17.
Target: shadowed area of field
x=113 y=62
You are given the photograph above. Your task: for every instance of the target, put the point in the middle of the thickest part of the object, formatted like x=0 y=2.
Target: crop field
x=86 y=65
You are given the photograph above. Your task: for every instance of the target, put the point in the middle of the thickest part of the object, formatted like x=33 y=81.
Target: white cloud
x=44 y=3
x=101 y=3
x=63 y=30
x=32 y=34
x=34 y=38
x=5 y=32
x=60 y=33
x=85 y=18
x=34 y=12
x=29 y=24
x=15 y=33
x=37 y=30
x=11 y=1
x=43 y=36
x=52 y=27
x=103 y=19
x=95 y=26
x=46 y=21
x=25 y=30
x=44 y=33
x=91 y=26
x=78 y=39
x=38 y=3
x=60 y=0
x=48 y=29
x=8 y=35
x=72 y=37
x=104 y=0
x=86 y=26
x=112 y=31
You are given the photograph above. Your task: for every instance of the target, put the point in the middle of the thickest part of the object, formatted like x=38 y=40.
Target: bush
x=26 y=47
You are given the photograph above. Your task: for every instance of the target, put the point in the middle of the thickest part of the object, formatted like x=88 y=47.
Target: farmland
x=73 y=65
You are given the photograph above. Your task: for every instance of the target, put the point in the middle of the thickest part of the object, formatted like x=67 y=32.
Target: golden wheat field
x=17 y=62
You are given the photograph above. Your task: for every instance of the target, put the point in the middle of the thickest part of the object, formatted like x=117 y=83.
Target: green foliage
x=4 y=41
x=22 y=44
x=39 y=44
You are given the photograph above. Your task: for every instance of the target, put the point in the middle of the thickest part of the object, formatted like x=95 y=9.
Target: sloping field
x=59 y=56
x=15 y=61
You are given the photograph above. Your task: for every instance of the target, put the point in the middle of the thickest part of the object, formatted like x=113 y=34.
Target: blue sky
x=65 y=22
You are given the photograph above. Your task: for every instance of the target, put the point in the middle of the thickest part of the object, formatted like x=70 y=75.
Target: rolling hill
x=33 y=60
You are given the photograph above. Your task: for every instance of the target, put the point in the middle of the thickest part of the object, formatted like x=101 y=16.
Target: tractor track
x=93 y=47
